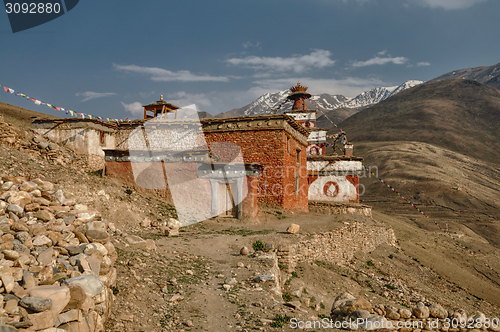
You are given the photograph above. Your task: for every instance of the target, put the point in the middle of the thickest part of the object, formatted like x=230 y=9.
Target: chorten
x=299 y=96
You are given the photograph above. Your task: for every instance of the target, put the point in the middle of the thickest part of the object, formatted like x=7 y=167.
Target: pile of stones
x=56 y=260
x=347 y=308
x=7 y=133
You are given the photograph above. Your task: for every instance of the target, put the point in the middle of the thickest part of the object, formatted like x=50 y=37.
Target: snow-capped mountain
x=376 y=95
x=268 y=103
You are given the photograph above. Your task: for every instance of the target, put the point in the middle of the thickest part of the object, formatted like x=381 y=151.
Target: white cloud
x=135 y=108
x=423 y=64
x=249 y=44
x=89 y=95
x=380 y=61
x=163 y=75
x=448 y=4
x=297 y=63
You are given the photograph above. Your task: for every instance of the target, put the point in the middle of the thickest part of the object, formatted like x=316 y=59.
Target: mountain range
x=459 y=115
x=269 y=102
x=326 y=103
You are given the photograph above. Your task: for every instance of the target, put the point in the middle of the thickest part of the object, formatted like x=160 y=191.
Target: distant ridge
x=489 y=75
x=460 y=115
x=269 y=102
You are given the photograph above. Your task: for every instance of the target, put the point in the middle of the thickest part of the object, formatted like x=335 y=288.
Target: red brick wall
x=276 y=185
x=354 y=179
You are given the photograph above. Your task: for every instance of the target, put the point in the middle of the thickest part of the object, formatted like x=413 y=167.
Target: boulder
x=36 y=304
x=293 y=229
x=421 y=311
x=59 y=295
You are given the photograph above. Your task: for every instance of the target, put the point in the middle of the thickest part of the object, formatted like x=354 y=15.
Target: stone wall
x=340 y=208
x=337 y=246
x=56 y=260
x=83 y=137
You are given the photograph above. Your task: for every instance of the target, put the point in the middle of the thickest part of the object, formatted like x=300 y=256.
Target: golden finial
x=161 y=97
x=298 y=88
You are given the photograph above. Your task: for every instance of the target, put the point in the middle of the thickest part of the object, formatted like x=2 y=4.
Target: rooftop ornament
x=299 y=95
x=160 y=108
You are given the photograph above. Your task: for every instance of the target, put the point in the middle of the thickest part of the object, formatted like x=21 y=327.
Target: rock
x=7 y=185
x=358 y=314
x=339 y=300
x=68 y=316
x=59 y=295
x=173 y=223
x=20 y=198
x=43 y=215
x=29 y=280
x=150 y=244
x=437 y=311
x=355 y=304
x=293 y=229
x=91 y=284
x=46 y=257
x=16 y=209
x=42 y=240
x=79 y=326
x=264 y=277
x=94 y=264
x=176 y=297
x=244 y=251
x=136 y=241
x=392 y=313
x=14 y=217
x=28 y=186
x=146 y=222
x=77 y=297
x=240 y=265
x=11 y=306
x=86 y=216
x=98 y=236
x=11 y=254
x=36 y=304
x=189 y=323
x=8 y=328
x=53 y=146
x=8 y=283
x=421 y=311
x=43 y=145
x=42 y=320
x=460 y=315
x=293 y=304
x=171 y=231
x=231 y=281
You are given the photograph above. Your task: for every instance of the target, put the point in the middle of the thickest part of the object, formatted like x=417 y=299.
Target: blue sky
x=107 y=58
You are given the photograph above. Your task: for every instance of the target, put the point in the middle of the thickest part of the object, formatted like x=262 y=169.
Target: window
x=288 y=144
x=298 y=157
x=296 y=184
x=101 y=138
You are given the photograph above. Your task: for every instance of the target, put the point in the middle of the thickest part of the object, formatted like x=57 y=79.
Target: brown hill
x=489 y=75
x=20 y=117
x=459 y=115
